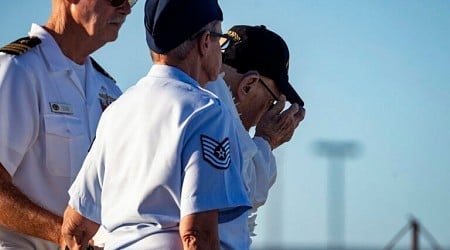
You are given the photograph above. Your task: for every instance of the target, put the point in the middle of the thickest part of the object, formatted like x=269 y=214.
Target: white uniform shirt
x=47 y=124
x=259 y=170
x=165 y=149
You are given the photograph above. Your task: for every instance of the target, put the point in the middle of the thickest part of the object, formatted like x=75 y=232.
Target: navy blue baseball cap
x=169 y=23
x=257 y=48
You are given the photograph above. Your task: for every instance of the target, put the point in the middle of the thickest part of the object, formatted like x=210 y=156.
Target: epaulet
x=101 y=70
x=21 y=45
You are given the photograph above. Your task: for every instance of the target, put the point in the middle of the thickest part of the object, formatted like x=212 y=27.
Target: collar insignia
x=105 y=99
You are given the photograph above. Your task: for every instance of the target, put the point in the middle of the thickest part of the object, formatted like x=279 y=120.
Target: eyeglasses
x=275 y=98
x=117 y=3
x=225 y=40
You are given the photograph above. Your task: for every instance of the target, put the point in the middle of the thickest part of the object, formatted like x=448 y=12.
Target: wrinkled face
x=265 y=96
x=259 y=98
x=100 y=19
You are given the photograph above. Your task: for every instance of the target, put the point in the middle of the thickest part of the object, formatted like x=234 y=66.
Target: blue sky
x=374 y=72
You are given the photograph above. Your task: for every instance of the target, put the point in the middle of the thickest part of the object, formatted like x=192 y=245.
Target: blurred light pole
x=336 y=152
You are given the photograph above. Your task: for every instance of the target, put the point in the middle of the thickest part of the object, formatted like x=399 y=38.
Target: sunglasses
x=225 y=40
x=117 y=3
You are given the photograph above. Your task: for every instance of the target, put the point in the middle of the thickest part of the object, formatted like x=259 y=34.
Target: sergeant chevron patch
x=216 y=153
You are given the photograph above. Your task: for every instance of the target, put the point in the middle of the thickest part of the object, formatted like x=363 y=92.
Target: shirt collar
x=54 y=58
x=166 y=71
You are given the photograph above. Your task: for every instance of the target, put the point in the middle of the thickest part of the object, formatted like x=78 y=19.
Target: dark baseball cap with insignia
x=169 y=23
x=257 y=48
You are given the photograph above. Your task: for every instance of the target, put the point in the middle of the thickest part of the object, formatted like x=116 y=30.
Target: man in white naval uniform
x=165 y=167
x=255 y=72
x=52 y=94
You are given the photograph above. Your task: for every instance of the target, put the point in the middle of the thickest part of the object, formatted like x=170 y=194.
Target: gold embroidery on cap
x=234 y=35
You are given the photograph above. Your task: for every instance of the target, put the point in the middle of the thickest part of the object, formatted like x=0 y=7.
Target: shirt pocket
x=65 y=143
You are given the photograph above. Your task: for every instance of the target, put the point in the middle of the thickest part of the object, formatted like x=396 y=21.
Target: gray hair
x=182 y=50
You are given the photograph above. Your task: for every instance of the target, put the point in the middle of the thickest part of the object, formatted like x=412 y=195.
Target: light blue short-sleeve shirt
x=165 y=149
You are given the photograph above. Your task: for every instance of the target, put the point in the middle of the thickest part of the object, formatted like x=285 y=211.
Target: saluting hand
x=278 y=126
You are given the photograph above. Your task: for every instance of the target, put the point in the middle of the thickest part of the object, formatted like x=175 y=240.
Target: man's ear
x=203 y=43
x=246 y=84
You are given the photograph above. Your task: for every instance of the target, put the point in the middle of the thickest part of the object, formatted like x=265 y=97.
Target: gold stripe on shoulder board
x=21 y=45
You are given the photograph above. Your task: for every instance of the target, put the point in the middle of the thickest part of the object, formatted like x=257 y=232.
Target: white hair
x=182 y=50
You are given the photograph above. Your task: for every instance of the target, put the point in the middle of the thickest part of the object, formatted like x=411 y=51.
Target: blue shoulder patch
x=216 y=153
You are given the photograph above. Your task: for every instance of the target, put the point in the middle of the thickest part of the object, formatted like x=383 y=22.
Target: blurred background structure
x=336 y=153
x=375 y=72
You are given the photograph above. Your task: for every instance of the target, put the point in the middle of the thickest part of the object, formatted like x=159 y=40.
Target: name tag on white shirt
x=61 y=108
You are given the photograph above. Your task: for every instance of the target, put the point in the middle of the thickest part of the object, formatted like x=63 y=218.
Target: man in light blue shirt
x=165 y=167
